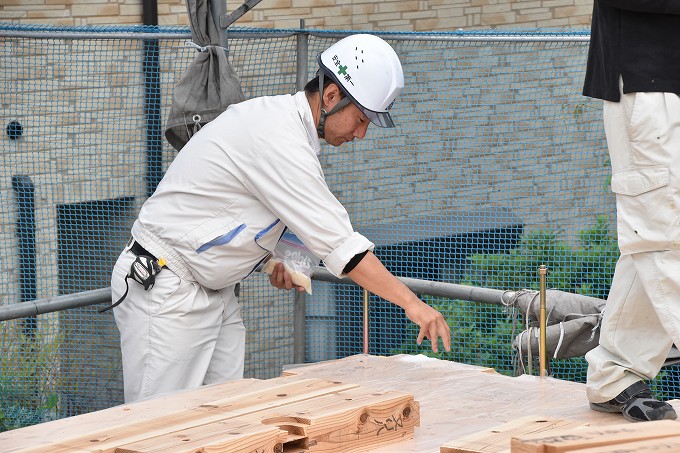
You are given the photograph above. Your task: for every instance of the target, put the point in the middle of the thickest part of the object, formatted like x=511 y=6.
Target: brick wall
x=397 y=15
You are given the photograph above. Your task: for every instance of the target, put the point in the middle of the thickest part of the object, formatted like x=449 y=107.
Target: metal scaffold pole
x=542 y=272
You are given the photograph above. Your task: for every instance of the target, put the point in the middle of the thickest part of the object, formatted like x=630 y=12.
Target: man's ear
x=331 y=95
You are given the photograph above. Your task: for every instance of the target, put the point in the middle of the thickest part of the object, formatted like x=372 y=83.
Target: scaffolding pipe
x=431 y=288
x=302 y=60
x=218 y=9
x=366 y=298
x=542 y=271
x=284 y=33
x=65 y=302
x=300 y=299
x=103 y=295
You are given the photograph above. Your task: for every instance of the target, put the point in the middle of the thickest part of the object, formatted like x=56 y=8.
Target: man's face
x=346 y=125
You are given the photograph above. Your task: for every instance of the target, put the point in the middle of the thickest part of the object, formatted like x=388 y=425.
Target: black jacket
x=638 y=40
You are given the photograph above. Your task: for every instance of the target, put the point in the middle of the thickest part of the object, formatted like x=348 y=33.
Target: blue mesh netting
x=498 y=165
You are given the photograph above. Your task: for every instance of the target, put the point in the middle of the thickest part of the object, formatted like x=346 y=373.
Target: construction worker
x=633 y=66
x=221 y=208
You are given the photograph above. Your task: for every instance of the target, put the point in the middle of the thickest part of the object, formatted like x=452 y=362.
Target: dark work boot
x=637 y=404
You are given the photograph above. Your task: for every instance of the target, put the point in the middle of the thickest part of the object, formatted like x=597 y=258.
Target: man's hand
x=281 y=279
x=432 y=325
x=372 y=275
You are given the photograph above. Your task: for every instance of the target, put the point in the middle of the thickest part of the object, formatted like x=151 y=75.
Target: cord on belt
x=143 y=270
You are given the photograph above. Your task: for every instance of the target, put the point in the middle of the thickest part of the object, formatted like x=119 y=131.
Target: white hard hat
x=369 y=73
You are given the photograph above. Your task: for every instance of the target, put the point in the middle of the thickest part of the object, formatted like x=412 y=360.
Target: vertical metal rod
x=365 y=322
x=301 y=59
x=300 y=311
x=299 y=317
x=542 y=271
x=152 y=114
x=218 y=9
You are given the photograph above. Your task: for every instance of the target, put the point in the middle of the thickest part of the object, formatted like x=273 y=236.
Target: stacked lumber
x=264 y=416
x=543 y=435
x=626 y=437
x=498 y=438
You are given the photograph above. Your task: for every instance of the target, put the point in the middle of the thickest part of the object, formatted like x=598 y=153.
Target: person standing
x=221 y=208
x=634 y=67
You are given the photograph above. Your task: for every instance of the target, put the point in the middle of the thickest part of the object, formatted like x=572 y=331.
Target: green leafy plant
x=28 y=377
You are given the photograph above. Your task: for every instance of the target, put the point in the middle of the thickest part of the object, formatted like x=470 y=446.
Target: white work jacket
x=224 y=201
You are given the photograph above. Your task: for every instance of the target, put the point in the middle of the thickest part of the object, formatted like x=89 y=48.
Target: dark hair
x=313 y=85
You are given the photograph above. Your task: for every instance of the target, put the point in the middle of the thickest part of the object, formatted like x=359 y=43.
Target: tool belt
x=138 y=250
x=143 y=270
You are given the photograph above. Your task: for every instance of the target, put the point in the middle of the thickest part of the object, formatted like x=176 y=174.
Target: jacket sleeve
x=286 y=177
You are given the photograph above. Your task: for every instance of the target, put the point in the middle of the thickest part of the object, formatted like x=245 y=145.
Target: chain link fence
x=498 y=165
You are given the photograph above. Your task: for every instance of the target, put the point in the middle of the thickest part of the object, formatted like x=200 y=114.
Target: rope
x=190 y=43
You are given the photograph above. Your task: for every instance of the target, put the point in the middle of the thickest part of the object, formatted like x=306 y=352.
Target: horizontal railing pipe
x=430 y=288
x=103 y=295
x=58 y=303
x=283 y=33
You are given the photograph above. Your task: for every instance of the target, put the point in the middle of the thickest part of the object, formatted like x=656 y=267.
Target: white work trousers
x=176 y=335
x=642 y=315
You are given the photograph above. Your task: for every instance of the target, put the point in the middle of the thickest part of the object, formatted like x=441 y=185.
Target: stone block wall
x=393 y=15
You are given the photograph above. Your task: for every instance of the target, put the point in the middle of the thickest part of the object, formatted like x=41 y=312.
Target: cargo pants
x=642 y=315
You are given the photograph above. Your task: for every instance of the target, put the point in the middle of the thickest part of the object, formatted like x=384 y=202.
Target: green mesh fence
x=498 y=165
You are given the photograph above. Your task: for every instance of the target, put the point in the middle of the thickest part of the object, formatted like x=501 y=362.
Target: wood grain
x=594 y=436
x=497 y=439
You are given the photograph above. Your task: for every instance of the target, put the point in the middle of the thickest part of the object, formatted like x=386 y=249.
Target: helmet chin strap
x=322 y=118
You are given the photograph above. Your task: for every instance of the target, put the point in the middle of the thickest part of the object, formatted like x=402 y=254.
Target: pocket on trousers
x=638 y=181
x=646 y=209
x=167 y=294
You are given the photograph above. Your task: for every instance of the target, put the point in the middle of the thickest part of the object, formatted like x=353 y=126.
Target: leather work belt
x=143 y=270
x=138 y=250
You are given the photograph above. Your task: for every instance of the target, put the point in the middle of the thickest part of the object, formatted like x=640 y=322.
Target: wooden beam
x=665 y=445
x=595 y=436
x=497 y=439
x=346 y=421
x=245 y=399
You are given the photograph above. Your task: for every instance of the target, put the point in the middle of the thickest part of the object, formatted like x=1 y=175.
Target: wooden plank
x=594 y=436
x=40 y=436
x=667 y=445
x=352 y=420
x=497 y=439
x=347 y=421
x=223 y=437
x=270 y=394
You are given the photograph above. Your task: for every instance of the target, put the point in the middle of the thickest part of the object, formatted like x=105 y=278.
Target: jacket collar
x=305 y=112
